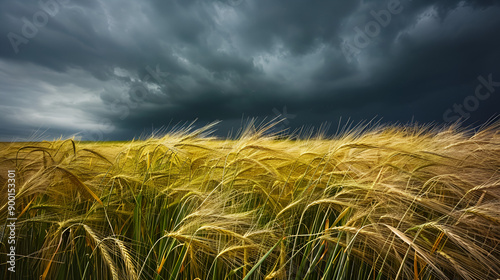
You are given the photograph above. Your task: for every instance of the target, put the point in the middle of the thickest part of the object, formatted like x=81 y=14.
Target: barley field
x=390 y=202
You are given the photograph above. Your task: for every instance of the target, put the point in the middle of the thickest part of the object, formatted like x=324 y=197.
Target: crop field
x=392 y=202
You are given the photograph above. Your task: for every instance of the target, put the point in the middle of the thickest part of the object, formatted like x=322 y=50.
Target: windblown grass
x=386 y=203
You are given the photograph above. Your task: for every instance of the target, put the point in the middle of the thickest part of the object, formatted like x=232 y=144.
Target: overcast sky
x=115 y=69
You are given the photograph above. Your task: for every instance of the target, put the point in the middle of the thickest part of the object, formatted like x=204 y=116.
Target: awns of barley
x=394 y=202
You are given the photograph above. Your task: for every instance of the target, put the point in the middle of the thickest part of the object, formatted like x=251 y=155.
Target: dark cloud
x=116 y=69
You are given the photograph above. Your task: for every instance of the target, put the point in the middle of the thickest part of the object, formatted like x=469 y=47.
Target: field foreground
x=387 y=203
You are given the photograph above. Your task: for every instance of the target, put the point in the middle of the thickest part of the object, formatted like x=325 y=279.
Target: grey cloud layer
x=112 y=69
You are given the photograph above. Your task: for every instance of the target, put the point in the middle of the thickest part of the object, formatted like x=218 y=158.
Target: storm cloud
x=116 y=69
